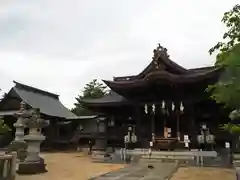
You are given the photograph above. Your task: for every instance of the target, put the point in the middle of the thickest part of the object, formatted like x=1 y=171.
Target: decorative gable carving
x=159 y=53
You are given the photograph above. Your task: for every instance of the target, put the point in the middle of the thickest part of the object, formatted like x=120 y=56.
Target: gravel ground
x=70 y=166
x=194 y=173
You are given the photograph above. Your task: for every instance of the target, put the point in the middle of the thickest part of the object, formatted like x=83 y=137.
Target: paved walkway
x=140 y=172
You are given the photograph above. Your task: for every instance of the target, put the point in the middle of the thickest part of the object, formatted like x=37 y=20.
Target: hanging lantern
x=111 y=122
x=181 y=107
x=163 y=104
x=153 y=108
x=146 y=108
x=173 y=106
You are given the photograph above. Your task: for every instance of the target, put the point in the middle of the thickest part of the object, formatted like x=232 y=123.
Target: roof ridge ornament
x=160 y=51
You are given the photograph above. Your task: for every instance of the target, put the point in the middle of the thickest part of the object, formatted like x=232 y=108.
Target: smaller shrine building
x=50 y=107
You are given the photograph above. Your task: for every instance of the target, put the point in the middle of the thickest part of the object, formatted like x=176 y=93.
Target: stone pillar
x=33 y=163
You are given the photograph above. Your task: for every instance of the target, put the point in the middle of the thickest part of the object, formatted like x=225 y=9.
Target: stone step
x=169 y=153
x=168 y=157
x=236 y=163
x=236 y=156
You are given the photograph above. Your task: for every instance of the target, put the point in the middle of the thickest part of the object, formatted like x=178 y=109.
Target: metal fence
x=8 y=166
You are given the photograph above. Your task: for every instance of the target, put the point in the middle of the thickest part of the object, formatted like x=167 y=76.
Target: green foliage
x=232 y=21
x=232 y=128
x=92 y=90
x=235 y=115
x=227 y=89
x=3 y=127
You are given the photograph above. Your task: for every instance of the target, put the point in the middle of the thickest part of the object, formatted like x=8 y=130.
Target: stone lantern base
x=32 y=167
x=33 y=163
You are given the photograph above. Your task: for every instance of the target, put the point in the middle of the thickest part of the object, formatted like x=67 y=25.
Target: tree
x=92 y=90
x=232 y=37
x=4 y=128
x=227 y=89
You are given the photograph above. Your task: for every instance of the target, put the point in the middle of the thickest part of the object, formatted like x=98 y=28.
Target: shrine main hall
x=162 y=104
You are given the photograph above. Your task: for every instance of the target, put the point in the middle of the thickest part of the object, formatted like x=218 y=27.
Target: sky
x=60 y=45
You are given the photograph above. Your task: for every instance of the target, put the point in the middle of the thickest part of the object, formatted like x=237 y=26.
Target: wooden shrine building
x=162 y=103
x=50 y=107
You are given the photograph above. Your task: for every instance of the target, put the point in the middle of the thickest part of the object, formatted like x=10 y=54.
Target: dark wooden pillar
x=138 y=121
x=192 y=124
x=178 y=114
x=178 y=129
x=193 y=129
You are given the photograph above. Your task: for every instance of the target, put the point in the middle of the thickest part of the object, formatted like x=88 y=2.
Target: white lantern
x=173 y=106
x=126 y=139
x=153 y=108
x=146 y=108
x=181 y=107
x=163 y=104
x=134 y=138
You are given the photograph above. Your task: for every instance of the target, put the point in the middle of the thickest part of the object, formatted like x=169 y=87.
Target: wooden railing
x=8 y=166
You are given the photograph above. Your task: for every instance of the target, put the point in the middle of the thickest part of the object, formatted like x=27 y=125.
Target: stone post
x=34 y=163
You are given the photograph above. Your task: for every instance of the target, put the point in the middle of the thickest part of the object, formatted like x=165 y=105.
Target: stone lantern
x=33 y=163
x=23 y=114
x=18 y=144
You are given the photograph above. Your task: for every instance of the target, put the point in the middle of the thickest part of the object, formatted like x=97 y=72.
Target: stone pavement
x=161 y=171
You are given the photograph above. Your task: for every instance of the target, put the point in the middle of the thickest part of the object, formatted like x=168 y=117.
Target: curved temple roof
x=161 y=69
x=193 y=76
x=47 y=102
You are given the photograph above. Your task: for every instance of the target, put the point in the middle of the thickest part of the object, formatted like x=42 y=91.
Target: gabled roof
x=109 y=99
x=47 y=102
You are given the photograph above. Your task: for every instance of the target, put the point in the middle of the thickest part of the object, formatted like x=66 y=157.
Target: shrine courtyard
x=70 y=166
x=77 y=166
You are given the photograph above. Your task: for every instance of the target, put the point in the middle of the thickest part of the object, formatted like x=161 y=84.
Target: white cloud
x=60 y=45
